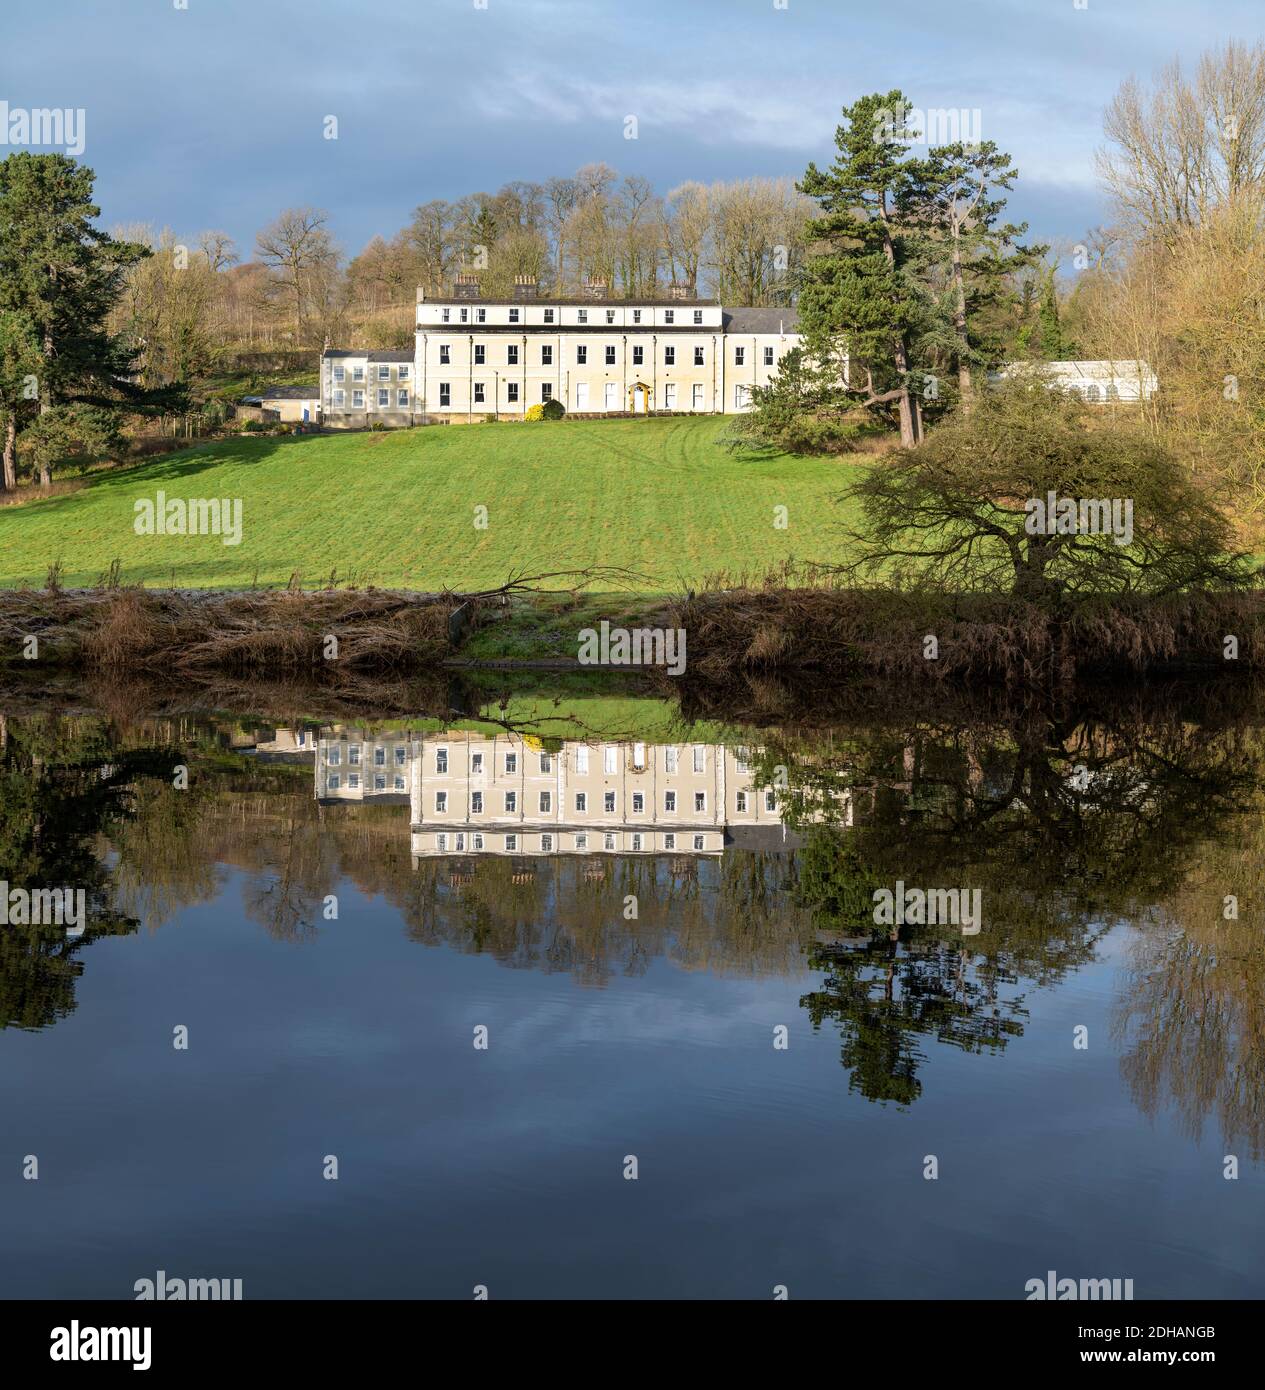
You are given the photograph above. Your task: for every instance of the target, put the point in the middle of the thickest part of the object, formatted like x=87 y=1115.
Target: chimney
x=680 y=291
x=466 y=287
x=421 y=294
x=595 y=289
x=524 y=287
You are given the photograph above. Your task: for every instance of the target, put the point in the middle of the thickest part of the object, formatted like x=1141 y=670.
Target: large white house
x=1102 y=382
x=475 y=357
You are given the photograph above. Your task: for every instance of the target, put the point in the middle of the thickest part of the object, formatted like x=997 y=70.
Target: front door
x=639 y=400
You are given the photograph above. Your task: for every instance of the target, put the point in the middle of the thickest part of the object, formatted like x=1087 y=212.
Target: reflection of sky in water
x=459 y=1167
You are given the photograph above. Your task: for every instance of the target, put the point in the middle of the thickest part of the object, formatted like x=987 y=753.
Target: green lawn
x=398 y=509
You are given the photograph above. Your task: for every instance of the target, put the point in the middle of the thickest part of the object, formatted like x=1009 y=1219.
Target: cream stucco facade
x=475 y=358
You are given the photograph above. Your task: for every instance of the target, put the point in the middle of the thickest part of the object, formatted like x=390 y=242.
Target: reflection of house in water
x=474 y=793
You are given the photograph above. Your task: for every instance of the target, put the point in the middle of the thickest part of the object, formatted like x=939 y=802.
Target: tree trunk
x=965 y=385
x=10 y=477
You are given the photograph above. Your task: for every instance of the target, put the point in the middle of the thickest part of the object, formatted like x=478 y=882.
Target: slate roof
x=394 y=355
x=290 y=393
x=760 y=321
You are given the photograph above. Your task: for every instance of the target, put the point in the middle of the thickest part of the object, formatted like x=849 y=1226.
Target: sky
x=214 y=113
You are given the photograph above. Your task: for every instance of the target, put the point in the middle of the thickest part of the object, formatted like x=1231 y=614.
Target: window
x=581 y=395
x=612 y=395
x=1113 y=392
x=400 y=754
x=445 y=393
x=403 y=372
x=740 y=803
x=742 y=760
x=581 y=842
x=476 y=803
x=546 y=391
x=546 y=762
x=511 y=802
x=639 y=803
x=546 y=355
x=581 y=803
x=441 y=843
x=610 y=354
x=480 y=394
x=669 y=801
x=511 y=762
x=700 y=758
x=476 y=840
x=742 y=397
x=669 y=395
x=401 y=398
x=465 y=316
x=446 y=315
x=639 y=356
x=636 y=842
x=480 y=316
x=384 y=373
x=340 y=397
x=740 y=356
x=441 y=803
x=353 y=779
x=335 y=755
x=582 y=316
x=770 y=801
x=461 y=842
x=698 y=356
x=581 y=356
x=514 y=315
x=357 y=373
x=511 y=355
x=582 y=758
x=610 y=316
x=546 y=803
x=669 y=841
x=608 y=840
x=1093 y=394
x=445 y=354
x=639 y=755
x=480 y=354
x=357 y=400
x=698 y=842
x=476 y=763
x=609 y=803
x=611 y=758
x=670 y=758
x=511 y=391
x=669 y=316
x=636 y=315
x=399 y=783
x=333 y=782
x=548 y=315
x=384 y=397
x=698 y=316
x=511 y=843
x=340 y=374
x=768 y=357
x=698 y=395
x=353 y=754
x=669 y=357
x=379 y=757
x=441 y=760
x=700 y=801
x=546 y=843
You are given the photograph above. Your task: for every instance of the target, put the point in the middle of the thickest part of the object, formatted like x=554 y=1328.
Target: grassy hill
x=397 y=509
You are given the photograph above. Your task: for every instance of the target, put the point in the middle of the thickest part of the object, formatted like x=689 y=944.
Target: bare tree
x=300 y=252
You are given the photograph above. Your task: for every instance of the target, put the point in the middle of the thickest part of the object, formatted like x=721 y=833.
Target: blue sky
x=213 y=116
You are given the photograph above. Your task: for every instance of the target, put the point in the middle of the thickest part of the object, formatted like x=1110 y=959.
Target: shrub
x=535 y=412
x=553 y=409
x=377 y=425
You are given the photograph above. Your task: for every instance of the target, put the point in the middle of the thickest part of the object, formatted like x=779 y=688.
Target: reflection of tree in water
x=1065 y=825
x=62 y=785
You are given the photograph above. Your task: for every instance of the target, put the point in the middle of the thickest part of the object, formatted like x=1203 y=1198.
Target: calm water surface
x=1103 y=863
